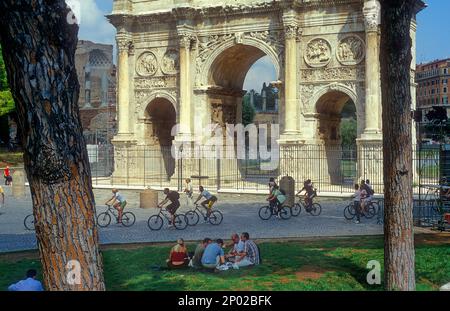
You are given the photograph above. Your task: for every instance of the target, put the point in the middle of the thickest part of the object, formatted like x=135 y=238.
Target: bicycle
x=104 y=219
x=29 y=222
x=314 y=210
x=193 y=216
x=156 y=222
x=266 y=212
x=350 y=212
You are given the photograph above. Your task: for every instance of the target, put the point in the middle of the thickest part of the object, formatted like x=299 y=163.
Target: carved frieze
x=318 y=52
x=351 y=50
x=333 y=74
x=157 y=82
x=146 y=64
x=170 y=62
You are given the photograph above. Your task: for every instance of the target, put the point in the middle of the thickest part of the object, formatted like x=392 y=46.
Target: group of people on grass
x=171 y=202
x=210 y=254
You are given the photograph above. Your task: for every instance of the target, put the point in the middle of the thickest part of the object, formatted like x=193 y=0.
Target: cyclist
x=276 y=199
x=119 y=202
x=272 y=183
x=209 y=200
x=366 y=195
x=310 y=193
x=174 y=198
x=2 y=193
x=357 y=203
x=189 y=190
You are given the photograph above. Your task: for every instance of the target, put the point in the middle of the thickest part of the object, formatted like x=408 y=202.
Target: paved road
x=238 y=217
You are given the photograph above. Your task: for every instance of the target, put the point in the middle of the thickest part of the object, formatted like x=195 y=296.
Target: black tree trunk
x=39 y=44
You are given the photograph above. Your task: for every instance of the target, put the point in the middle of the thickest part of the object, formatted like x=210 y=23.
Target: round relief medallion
x=318 y=52
x=170 y=62
x=147 y=64
x=351 y=50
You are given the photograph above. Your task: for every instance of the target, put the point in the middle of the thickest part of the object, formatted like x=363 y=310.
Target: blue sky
x=433 y=35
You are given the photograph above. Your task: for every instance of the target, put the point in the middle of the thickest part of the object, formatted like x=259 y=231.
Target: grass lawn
x=10 y=158
x=320 y=264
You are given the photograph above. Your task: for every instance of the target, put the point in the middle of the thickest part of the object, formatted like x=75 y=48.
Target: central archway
x=340 y=162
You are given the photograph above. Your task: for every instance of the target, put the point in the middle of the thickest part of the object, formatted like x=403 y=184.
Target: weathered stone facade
x=97 y=78
x=194 y=55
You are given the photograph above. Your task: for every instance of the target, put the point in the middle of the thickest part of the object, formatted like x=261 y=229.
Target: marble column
x=186 y=92
x=124 y=45
x=291 y=121
x=372 y=129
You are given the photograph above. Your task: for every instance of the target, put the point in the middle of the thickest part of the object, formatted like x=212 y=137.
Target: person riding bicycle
x=366 y=195
x=272 y=184
x=188 y=190
x=118 y=202
x=276 y=199
x=209 y=200
x=310 y=193
x=174 y=198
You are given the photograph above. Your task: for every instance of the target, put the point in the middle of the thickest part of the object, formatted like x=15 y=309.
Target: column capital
x=292 y=29
x=186 y=35
x=124 y=43
x=372 y=15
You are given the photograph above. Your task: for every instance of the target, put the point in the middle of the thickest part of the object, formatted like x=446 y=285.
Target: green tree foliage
x=6 y=100
x=439 y=125
x=248 y=111
x=349 y=132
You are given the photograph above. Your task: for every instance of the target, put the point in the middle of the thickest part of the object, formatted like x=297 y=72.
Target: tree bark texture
x=396 y=57
x=39 y=49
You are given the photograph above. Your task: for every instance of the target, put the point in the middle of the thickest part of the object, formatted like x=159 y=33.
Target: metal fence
x=331 y=168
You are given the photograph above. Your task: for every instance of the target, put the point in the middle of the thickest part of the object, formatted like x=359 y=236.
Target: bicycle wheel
x=371 y=212
x=265 y=213
x=285 y=213
x=296 y=209
x=181 y=222
x=155 y=222
x=192 y=218
x=349 y=212
x=28 y=222
x=103 y=220
x=215 y=218
x=128 y=219
x=316 y=209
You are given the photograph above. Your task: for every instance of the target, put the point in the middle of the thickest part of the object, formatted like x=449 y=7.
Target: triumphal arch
x=184 y=62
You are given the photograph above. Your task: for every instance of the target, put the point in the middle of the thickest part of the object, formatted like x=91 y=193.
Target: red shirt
x=178 y=255
x=7 y=172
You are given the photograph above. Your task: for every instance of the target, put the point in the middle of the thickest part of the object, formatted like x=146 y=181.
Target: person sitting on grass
x=174 y=198
x=178 y=257
x=250 y=256
x=208 y=203
x=213 y=255
x=118 y=202
x=237 y=246
x=196 y=261
x=30 y=284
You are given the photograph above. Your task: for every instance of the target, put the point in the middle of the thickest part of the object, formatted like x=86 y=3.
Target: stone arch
x=160 y=117
x=335 y=87
x=147 y=100
x=263 y=47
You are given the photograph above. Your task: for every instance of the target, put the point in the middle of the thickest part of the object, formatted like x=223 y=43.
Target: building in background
x=432 y=86
x=97 y=101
